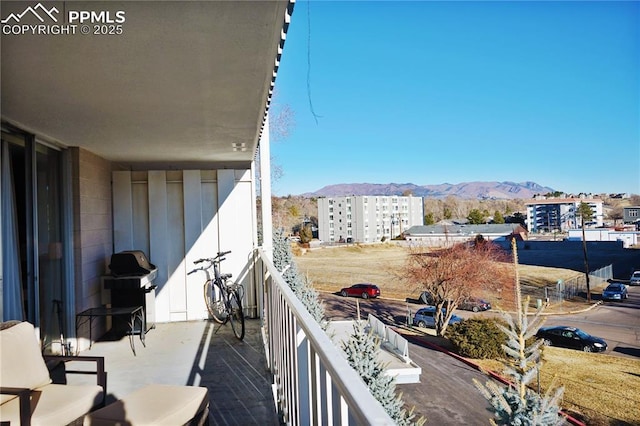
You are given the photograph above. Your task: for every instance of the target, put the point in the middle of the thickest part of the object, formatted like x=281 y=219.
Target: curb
x=577 y=311
x=418 y=340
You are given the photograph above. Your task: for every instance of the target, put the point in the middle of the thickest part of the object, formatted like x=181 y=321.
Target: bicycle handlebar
x=217 y=258
x=212 y=262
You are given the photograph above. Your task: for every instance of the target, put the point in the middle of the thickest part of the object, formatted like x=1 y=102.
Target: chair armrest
x=24 y=395
x=101 y=375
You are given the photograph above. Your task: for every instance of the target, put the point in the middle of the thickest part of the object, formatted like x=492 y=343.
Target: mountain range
x=469 y=190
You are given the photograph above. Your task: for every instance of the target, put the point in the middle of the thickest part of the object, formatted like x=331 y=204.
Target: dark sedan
x=475 y=304
x=364 y=290
x=572 y=338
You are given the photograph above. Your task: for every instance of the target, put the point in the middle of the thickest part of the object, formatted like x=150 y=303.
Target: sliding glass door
x=32 y=236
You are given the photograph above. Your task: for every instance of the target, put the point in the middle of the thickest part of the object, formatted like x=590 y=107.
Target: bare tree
x=455 y=273
x=616 y=214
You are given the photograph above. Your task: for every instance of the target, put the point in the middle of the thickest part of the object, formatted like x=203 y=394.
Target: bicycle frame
x=223 y=300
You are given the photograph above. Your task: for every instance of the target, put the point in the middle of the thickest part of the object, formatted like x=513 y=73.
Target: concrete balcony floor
x=195 y=353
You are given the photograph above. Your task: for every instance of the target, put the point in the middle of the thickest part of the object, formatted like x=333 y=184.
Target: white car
x=635 y=278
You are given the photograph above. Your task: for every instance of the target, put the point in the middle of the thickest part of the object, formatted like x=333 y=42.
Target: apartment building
x=367 y=218
x=561 y=214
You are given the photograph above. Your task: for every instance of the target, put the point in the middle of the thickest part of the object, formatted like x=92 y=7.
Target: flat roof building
x=367 y=218
x=561 y=214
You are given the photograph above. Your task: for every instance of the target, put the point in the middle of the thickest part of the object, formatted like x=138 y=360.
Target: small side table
x=135 y=313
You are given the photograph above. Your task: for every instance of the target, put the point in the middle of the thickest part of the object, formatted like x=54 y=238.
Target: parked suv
x=364 y=290
x=424 y=317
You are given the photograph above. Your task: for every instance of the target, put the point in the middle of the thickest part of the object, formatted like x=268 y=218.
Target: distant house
x=446 y=235
x=631 y=215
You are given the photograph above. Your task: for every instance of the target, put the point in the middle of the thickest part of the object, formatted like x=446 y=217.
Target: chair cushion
x=55 y=404
x=153 y=405
x=22 y=364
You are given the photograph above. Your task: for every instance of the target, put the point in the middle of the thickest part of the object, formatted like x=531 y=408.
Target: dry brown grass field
x=599 y=389
x=332 y=268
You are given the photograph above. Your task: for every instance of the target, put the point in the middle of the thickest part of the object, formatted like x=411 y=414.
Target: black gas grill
x=131 y=283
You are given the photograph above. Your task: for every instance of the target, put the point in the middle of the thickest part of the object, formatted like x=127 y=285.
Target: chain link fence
x=566 y=290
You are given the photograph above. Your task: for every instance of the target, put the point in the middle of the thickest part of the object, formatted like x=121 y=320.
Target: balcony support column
x=265 y=191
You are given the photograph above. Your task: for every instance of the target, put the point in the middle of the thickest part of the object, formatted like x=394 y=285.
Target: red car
x=364 y=290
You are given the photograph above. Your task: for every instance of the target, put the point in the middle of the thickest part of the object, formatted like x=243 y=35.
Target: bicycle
x=222 y=296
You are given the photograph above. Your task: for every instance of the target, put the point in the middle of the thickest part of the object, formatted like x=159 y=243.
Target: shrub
x=478 y=338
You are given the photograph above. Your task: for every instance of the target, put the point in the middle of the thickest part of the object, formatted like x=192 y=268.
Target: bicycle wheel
x=236 y=315
x=214 y=302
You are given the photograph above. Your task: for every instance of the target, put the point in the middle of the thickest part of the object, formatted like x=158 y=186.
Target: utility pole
x=586 y=262
x=585 y=214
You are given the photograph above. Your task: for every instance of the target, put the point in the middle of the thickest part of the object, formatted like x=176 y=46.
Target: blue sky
x=431 y=92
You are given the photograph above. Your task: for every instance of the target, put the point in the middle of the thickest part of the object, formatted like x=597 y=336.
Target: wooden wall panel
x=193 y=228
x=140 y=202
x=178 y=217
x=176 y=250
x=159 y=241
x=122 y=211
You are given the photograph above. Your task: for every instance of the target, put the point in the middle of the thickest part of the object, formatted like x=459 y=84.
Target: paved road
x=446 y=393
x=616 y=322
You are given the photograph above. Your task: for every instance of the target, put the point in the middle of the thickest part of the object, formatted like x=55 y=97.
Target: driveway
x=446 y=393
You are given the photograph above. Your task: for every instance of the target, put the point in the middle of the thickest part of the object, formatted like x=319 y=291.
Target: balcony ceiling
x=184 y=83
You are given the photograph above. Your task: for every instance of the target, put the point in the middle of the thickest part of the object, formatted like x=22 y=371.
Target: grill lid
x=130 y=263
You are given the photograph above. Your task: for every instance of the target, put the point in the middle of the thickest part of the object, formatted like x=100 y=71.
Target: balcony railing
x=313 y=382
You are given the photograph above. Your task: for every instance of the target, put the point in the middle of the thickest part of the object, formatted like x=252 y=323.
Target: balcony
x=286 y=370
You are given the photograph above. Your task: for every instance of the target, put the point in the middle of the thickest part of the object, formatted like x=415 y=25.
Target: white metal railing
x=313 y=382
x=393 y=341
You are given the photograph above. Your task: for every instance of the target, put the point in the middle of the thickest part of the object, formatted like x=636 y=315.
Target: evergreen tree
x=306 y=234
x=301 y=286
x=429 y=219
x=447 y=213
x=476 y=217
x=517 y=404
x=362 y=353
x=497 y=217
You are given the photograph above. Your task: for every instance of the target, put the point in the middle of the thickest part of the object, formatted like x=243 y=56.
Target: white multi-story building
x=367 y=218
x=561 y=214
